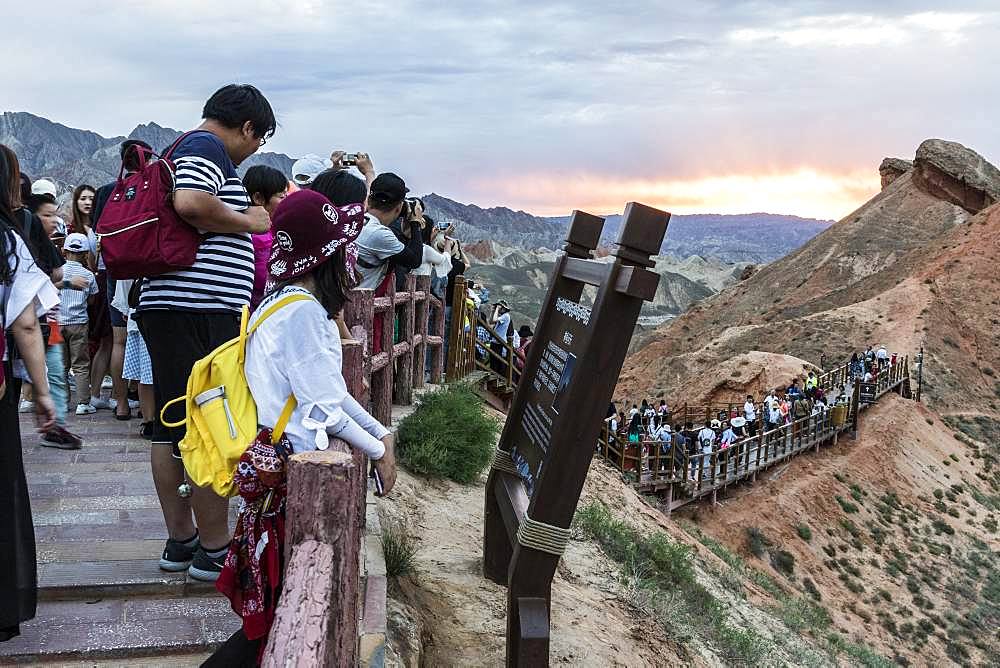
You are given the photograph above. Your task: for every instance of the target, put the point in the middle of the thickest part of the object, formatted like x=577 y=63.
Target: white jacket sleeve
x=317 y=381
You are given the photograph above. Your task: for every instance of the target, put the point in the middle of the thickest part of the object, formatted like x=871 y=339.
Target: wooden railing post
x=402 y=382
x=421 y=320
x=456 y=338
x=316 y=623
x=359 y=315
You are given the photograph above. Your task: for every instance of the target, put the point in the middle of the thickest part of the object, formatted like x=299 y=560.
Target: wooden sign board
x=547 y=444
x=868 y=392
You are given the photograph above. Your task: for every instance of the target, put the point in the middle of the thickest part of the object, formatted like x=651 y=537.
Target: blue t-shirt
x=221 y=279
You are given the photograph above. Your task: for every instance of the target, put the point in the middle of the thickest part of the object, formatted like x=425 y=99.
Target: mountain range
x=70 y=156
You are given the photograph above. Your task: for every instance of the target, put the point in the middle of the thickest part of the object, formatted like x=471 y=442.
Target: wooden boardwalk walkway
x=685 y=477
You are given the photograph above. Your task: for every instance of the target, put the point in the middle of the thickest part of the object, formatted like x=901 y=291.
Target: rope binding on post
x=502 y=461
x=542 y=537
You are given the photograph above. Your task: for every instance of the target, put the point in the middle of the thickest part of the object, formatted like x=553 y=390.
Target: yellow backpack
x=221 y=419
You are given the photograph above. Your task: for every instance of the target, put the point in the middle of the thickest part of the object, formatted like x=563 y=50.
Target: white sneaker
x=107 y=384
x=26 y=406
x=103 y=404
x=85 y=409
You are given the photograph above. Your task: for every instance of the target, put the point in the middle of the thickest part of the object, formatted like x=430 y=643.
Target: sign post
x=548 y=440
x=868 y=392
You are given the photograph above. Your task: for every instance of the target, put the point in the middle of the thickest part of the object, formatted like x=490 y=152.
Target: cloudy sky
x=719 y=106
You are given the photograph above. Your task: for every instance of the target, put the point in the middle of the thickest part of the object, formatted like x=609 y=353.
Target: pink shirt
x=261 y=254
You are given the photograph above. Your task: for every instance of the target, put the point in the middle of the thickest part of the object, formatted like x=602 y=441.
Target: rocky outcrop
x=956 y=174
x=892 y=168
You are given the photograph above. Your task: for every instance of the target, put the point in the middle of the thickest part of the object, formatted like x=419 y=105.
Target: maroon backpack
x=140 y=233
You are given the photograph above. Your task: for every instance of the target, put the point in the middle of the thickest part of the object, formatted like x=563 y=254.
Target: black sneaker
x=177 y=556
x=206 y=568
x=58 y=437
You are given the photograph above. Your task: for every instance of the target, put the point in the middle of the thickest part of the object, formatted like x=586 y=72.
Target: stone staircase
x=102 y=599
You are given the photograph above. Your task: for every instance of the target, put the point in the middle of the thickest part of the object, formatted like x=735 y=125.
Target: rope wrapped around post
x=542 y=537
x=502 y=461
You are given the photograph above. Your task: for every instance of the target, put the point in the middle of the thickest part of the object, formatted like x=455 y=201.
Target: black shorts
x=176 y=340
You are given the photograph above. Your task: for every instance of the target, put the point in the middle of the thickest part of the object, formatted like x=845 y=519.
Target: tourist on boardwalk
x=266 y=187
x=296 y=352
x=882 y=357
x=185 y=314
x=726 y=442
x=133 y=153
x=801 y=409
x=100 y=339
x=663 y=410
x=812 y=382
x=73 y=317
x=379 y=249
x=750 y=415
x=794 y=391
x=25 y=293
x=500 y=321
x=856 y=367
x=706 y=442
x=680 y=446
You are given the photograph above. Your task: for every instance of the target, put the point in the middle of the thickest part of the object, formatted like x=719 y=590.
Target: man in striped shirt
x=184 y=315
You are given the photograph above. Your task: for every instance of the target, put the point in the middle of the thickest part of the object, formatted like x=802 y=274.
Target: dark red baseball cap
x=308 y=229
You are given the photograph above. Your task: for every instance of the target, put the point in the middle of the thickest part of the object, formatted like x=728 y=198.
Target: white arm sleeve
x=317 y=381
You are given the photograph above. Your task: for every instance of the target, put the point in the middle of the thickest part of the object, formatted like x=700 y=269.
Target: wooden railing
x=316 y=623
x=466 y=353
x=688 y=475
x=411 y=322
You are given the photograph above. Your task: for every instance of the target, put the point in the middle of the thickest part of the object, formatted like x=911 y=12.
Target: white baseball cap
x=43 y=187
x=307 y=168
x=76 y=243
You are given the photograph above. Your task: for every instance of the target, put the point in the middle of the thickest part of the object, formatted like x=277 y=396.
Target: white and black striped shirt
x=221 y=278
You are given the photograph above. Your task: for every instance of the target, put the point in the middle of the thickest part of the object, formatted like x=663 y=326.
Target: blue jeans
x=58 y=388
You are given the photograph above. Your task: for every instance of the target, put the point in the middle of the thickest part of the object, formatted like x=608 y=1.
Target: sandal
x=123 y=418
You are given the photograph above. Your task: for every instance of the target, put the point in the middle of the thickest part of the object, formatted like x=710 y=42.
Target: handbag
x=139 y=231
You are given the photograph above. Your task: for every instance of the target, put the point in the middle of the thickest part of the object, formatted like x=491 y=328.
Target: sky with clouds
x=727 y=107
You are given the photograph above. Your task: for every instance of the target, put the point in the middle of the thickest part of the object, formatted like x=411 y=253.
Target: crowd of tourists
x=685 y=446
x=289 y=250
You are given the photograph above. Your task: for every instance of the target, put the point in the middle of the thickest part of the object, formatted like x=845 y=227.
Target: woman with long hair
x=25 y=292
x=98 y=312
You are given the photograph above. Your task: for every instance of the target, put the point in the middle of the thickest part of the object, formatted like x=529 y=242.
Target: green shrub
x=399 y=549
x=846 y=505
x=783 y=562
x=805 y=533
x=811 y=589
x=449 y=435
x=757 y=542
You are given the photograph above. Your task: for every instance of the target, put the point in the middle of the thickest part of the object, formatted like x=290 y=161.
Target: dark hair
x=264 y=181
x=235 y=104
x=78 y=221
x=10 y=187
x=427 y=229
x=25 y=187
x=134 y=160
x=35 y=202
x=332 y=283
x=340 y=187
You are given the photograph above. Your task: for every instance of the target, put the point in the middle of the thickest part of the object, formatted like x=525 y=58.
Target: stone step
x=183 y=629
x=76 y=580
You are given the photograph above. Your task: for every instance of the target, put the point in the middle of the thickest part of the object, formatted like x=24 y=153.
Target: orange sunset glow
x=804 y=192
